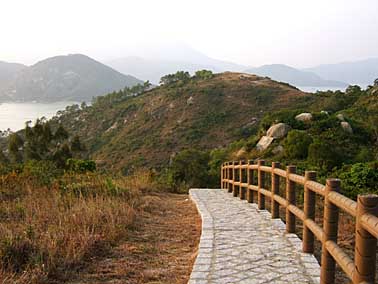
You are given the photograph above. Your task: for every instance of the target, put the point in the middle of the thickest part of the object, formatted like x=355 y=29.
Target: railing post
x=222 y=174
x=249 y=182
x=330 y=226
x=309 y=212
x=290 y=197
x=230 y=176
x=241 y=188
x=236 y=188
x=260 y=184
x=275 y=190
x=233 y=178
x=366 y=244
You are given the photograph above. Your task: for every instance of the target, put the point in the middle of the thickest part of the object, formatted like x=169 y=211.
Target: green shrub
x=296 y=144
x=359 y=178
x=80 y=166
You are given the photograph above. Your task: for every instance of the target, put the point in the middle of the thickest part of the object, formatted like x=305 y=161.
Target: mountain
x=149 y=129
x=362 y=72
x=73 y=77
x=154 y=63
x=293 y=76
x=8 y=72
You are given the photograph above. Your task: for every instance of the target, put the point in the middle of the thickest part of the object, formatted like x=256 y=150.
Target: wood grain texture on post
x=235 y=190
x=249 y=182
x=309 y=211
x=230 y=177
x=290 y=197
x=330 y=226
x=366 y=244
x=260 y=184
x=275 y=190
x=242 y=190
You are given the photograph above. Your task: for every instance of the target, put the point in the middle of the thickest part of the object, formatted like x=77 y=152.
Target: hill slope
x=293 y=76
x=73 y=77
x=149 y=129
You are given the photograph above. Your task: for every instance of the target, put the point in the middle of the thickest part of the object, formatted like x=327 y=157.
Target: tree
x=15 y=144
x=323 y=155
x=296 y=144
x=190 y=167
x=172 y=78
x=60 y=134
x=203 y=74
x=376 y=82
x=353 y=89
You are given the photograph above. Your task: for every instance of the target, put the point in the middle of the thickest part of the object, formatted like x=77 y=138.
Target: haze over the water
x=296 y=32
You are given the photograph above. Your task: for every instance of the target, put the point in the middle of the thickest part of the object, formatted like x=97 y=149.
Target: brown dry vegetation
x=50 y=233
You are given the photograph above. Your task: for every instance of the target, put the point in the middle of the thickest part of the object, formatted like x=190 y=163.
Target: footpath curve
x=242 y=244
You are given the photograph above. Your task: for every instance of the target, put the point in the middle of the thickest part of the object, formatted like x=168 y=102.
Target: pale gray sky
x=300 y=33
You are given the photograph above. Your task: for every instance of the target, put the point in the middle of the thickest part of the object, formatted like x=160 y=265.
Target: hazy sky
x=300 y=33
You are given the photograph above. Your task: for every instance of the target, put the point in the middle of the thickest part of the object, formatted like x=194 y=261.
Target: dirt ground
x=161 y=247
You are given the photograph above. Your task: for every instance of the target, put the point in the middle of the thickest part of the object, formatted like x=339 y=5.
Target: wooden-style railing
x=237 y=178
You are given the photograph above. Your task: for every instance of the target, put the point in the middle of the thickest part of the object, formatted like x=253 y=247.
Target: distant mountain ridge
x=8 y=70
x=356 y=72
x=293 y=76
x=73 y=77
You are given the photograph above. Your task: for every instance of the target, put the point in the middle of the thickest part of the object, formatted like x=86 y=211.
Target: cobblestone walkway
x=241 y=244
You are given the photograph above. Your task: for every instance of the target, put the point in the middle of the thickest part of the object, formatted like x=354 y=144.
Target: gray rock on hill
x=278 y=130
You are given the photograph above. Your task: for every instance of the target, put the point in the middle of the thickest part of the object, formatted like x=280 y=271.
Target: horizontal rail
x=297 y=179
x=370 y=223
x=253 y=187
x=315 y=228
x=316 y=187
x=343 y=203
x=296 y=211
x=345 y=262
x=266 y=169
x=280 y=172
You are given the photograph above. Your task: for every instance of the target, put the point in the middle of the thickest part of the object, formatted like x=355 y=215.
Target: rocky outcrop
x=340 y=117
x=264 y=143
x=346 y=127
x=304 y=117
x=278 y=130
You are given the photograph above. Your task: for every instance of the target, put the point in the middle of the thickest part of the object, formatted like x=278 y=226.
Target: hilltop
x=151 y=128
x=73 y=77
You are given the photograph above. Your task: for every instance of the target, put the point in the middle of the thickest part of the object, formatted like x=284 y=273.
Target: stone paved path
x=242 y=244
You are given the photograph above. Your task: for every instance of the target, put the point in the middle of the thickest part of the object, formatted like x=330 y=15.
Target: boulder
x=278 y=130
x=190 y=101
x=340 y=117
x=278 y=150
x=264 y=143
x=324 y=112
x=305 y=117
x=346 y=126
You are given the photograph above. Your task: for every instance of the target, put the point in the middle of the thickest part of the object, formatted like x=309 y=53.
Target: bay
x=14 y=115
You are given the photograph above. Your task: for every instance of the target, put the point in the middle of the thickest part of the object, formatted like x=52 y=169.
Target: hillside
x=294 y=76
x=149 y=129
x=70 y=78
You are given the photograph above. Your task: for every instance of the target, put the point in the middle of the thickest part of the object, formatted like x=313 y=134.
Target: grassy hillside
x=149 y=129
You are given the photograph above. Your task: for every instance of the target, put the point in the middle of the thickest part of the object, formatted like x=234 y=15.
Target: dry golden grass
x=48 y=232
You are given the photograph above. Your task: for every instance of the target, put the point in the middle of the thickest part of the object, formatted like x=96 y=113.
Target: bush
x=323 y=155
x=190 y=167
x=296 y=144
x=359 y=178
x=80 y=166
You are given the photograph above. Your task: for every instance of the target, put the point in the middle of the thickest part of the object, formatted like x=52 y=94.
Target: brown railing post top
x=261 y=162
x=276 y=164
x=333 y=184
x=310 y=175
x=291 y=169
x=368 y=201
